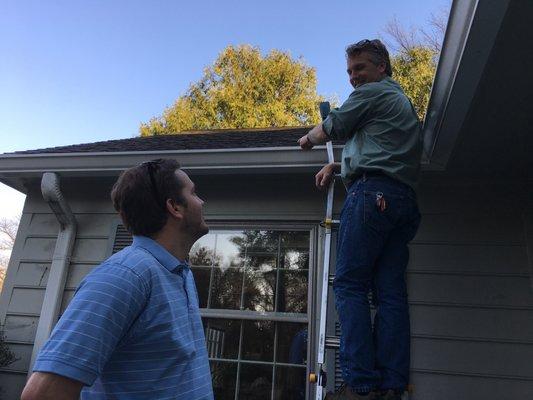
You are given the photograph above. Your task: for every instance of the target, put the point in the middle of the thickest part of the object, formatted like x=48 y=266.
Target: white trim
x=471 y=33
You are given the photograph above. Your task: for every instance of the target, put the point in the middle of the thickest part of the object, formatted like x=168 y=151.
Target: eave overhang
x=472 y=29
x=16 y=169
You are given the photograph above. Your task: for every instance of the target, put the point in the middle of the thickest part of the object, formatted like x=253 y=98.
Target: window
x=253 y=291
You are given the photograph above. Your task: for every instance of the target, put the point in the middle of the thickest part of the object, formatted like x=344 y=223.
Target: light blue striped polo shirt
x=133 y=330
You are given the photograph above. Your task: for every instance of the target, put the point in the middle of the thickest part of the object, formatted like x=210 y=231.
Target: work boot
x=389 y=395
x=345 y=393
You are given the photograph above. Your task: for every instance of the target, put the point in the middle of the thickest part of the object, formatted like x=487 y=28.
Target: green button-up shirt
x=382 y=132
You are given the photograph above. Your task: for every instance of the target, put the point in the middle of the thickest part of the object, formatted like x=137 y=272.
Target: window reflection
x=222 y=338
x=256 y=382
x=227 y=253
x=202 y=251
x=224 y=376
x=258 y=341
x=289 y=383
x=292 y=295
x=294 y=260
x=226 y=288
x=259 y=290
x=254 y=271
x=202 y=276
x=292 y=343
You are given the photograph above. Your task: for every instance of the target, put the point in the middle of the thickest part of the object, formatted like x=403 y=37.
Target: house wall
x=470 y=288
x=469 y=281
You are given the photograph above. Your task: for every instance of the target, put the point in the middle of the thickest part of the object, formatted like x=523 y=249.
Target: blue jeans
x=372 y=254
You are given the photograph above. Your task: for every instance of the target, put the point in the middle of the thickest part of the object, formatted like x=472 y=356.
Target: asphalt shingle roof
x=214 y=139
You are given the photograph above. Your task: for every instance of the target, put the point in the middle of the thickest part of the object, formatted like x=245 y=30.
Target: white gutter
x=15 y=169
x=60 y=262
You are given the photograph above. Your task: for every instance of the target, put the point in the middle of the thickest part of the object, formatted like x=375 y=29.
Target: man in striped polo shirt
x=133 y=329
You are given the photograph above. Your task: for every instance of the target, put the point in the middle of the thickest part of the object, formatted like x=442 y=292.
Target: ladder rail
x=326 y=262
x=320 y=376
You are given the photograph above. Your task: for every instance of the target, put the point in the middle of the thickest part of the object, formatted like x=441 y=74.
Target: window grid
x=245 y=266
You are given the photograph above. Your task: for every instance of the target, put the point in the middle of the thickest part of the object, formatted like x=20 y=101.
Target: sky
x=79 y=71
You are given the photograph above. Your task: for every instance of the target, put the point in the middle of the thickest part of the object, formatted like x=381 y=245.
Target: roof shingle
x=204 y=140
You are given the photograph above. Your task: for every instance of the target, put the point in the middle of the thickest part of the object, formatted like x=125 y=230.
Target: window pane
x=228 y=252
x=258 y=340
x=259 y=289
x=260 y=242
x=222 y=337
x=261 y=261
x=292 y=343
x=296 y=240
x=202 y=251
x=201 y=278
x=256 y=382
x=290 y=383
x=293 y=259
x=294 y=250
x=224 y=376
x=292 y=296
x=226 y=288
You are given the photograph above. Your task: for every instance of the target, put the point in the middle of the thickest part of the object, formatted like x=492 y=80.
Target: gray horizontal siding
x=512 y=360
x=446 y=386
x=11 y=384
x=471 y=323
x=470 y=294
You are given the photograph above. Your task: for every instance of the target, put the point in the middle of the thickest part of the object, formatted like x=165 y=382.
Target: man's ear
x=382 y=67
x=175 y=209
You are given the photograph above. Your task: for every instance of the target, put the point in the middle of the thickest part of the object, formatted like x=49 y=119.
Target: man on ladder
x=380 y=167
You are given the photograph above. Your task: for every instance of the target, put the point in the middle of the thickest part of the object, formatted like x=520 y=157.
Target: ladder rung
x=332 y=342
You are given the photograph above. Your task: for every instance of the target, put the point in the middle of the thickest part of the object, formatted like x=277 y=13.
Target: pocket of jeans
x=377 y=219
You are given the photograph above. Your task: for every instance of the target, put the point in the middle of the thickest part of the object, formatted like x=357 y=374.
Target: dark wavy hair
x=140 y=195
x=377 y=51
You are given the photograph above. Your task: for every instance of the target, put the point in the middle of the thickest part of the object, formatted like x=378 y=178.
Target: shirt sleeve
x=343 y=122
x=104 y=307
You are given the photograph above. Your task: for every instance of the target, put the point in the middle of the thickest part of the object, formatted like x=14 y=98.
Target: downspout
x=53 y=296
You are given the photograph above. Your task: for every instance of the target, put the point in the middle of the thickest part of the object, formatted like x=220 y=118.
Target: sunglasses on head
x=152 y=167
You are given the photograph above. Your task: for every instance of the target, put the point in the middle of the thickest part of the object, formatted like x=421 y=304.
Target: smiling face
x=361 y=69
x=193 y=219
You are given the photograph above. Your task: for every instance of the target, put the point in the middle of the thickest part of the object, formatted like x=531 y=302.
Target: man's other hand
x=324 y=176
x=305 y=143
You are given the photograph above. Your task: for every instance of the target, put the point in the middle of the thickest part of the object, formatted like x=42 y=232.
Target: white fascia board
x=470 y=35
x=14 y=167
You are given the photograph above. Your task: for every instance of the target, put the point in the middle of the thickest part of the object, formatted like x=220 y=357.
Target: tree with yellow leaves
x=414 y=70
x=244 y=89
x=415 y=52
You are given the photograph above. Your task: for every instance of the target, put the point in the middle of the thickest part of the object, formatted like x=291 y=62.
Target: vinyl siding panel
x=470 y=295
x=445 y=386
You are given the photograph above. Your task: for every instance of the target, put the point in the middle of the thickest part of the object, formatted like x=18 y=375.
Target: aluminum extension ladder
x=319 y=375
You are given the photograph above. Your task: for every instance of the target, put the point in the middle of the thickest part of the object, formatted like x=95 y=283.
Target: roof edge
x=470 y=35
x=455 y=37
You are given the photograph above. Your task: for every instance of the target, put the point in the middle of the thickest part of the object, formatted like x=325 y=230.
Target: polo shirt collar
x=166 y=259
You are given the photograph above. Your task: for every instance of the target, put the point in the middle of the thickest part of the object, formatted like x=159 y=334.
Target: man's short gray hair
x=377 y=51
